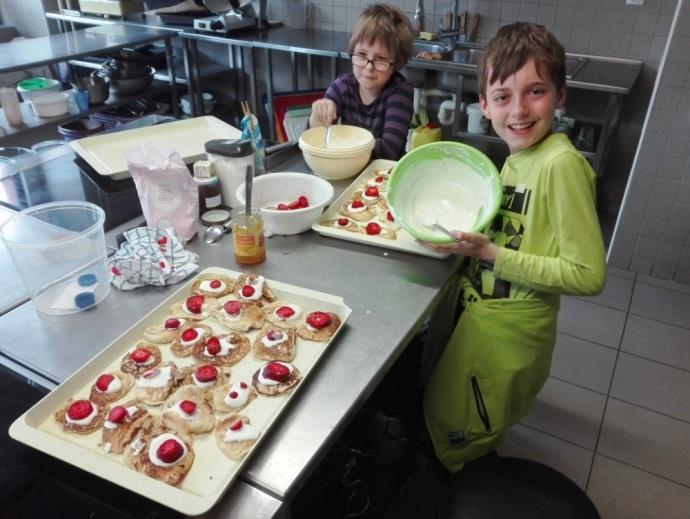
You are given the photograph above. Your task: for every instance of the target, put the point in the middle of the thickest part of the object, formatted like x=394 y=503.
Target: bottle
x=248 y=236
x=10 y=105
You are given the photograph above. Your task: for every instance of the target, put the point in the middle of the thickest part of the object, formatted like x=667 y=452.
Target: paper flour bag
x=167 y=191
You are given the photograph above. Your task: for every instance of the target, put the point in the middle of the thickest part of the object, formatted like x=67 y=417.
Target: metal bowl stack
x=127 y=72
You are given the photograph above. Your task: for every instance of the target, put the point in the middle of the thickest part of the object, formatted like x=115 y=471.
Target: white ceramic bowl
x=51 y=104
x=272 y=189
x=348 y=151
x=448 y=183
x=32 y=87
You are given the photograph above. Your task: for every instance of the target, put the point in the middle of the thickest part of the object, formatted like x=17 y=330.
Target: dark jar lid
x=229 y=147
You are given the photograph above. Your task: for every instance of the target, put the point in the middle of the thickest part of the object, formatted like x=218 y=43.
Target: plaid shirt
x=388 y=117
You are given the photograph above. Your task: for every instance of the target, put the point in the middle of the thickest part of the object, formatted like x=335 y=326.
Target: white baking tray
x=212 y=472
x=106 y=153
x=403 y=240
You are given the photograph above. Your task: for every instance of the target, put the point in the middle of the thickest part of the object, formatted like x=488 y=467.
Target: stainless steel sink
x=431 y=46
x=466 y=55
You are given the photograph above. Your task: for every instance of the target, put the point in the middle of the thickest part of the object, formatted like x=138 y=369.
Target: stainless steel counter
x=390 y=294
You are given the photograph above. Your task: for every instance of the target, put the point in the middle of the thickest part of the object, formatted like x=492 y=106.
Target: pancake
x=122 y=424
x=188 y=409
x=252 y=288
x=110 y=386
x=222 y=350
x=205 y=377
x=275 y=378
x=80 y=416
x=275 y=343
x=238 y=316
x=284 y=314
x=319 y=326
x=197 y=307
x=231 y=398
x=235 y=436
x=344 y=223
x=188 y=337
x=213 y=285
x=166 y=331
x=154 y=386
x=141 y=358
x=356 y=209
x=143 y=453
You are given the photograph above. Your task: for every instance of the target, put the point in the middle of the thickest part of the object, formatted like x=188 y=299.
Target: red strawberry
x=379 y=180
x=373 y=228
x=140 y=355
x=357 y=204
x=79 y=409
x=232 y=307
x=343 y=222
x=283 y=207
x=115 y=270
x=187 y=406
x=170 y=451
x=104 y=381
x=162 y=240
x=194 y=304
x=172 y=324
x=294 y=204
x=318 y=320
x=237 y=425
x=117 y=414
x=274 y=335
x=389 y=217
x=213 y=346
x=285 y=311
x=233 y=394
x=372 y=192
x=189 y=334
x=161 y=264
x=248 y=291
x=215 y=283
x=276 y=371
x=152 y=373
x=206 y=373
x=303 y=201
x=243 y=385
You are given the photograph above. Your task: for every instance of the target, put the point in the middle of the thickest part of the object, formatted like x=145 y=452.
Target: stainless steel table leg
x=269 y=95
x=293 y=62
x=172 y=78
x=195 y=83
x=252 y=80
x=610 y=122
x=310 y=70
x=188 y=72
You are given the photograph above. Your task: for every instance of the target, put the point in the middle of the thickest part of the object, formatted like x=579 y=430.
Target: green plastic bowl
x=444 y=182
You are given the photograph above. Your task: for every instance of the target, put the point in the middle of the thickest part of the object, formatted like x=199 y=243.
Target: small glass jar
x=209 y=193
x=248 y=236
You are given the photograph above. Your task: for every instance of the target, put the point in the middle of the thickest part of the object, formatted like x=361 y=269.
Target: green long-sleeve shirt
x=547 y=228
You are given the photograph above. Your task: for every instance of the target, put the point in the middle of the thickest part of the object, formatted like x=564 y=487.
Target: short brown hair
x=388 y=25
x=513 y=46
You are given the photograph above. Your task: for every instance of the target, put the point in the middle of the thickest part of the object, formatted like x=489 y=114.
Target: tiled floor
x=615 y=414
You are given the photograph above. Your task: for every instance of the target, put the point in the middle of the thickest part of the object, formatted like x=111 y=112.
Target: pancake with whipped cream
x=319 y=326
x=235 y=436
x=238 y=316
x=197 y=307
x=189 y=337
x=231 y=398
x=154 y=385
x=379 y=229
x=378 y=181
x=276 y=377
x=80 y=416
x=206 y=377
x=141 y=358
x=344 y=223
x=357 y=210
x=121 y=424
x=160 y=452
x=252 y=288
x=284 y=314
x=111 y=386
x=222 y=350
x=188 y=409
x=370 y=195
x=275 y=343
x=166 y=331
x=213 y=285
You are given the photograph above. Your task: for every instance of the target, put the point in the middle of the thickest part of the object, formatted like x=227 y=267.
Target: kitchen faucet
x=452 y=32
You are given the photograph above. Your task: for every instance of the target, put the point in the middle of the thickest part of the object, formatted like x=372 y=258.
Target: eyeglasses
x=379 y=64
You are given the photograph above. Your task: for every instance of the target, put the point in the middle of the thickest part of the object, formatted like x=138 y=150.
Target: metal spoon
x=428 y=220
x=248 y=181
x=327 y=136
x=214 y=232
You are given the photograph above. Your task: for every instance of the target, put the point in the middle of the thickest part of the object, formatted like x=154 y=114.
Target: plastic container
x=476 y=122
x=230 y=160
x=248 y=236
x=59 y=251
x=272 y=189
x=10 y=106
x=51 y=104
x=35 y=86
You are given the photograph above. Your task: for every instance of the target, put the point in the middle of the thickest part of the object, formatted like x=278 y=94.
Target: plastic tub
x=476 y=122
x=51 y=104
x=32 y=87
x=59 y=251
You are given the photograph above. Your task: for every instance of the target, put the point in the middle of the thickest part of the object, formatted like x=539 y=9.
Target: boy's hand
x=323 y=113
x=472 y=244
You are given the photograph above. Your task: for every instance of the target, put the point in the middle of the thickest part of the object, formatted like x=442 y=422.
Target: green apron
x=488 y=375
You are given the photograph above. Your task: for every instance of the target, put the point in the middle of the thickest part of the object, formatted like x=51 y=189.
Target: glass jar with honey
x=248 y=236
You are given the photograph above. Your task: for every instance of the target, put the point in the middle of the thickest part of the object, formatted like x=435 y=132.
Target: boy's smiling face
x=521 y=108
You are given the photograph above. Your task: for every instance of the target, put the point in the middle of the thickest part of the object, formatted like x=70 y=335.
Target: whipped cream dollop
x=161 y=377
x=205 y=285
x=270 y=381
x=86 y=420
x=242 y=395
x=246 y=432
x=157 y=442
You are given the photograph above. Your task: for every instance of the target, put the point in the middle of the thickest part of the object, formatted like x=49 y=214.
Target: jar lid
x=229 y=147
x=219 y=215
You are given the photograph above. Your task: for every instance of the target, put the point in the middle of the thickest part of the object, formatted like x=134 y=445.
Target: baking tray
x=105 y=153
x=212 y=472
x=403 y=241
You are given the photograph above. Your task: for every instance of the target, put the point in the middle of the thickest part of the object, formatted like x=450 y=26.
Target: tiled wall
x=652 y=232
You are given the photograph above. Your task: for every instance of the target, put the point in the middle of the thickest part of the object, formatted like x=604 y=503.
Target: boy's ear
x=562 y=94
x=484 y=106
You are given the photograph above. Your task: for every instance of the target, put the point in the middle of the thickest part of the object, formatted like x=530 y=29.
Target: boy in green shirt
x=545 y=241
